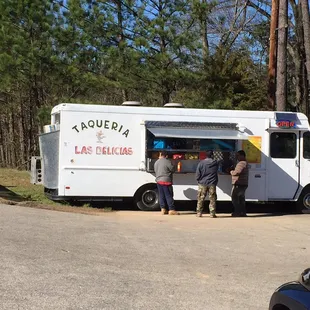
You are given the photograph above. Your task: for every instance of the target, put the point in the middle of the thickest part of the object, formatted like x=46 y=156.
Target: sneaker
x=164 y=211
x=213 y=216
x=173 y=212
x=199 y=214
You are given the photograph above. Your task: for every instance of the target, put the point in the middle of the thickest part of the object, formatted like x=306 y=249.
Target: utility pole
x=281 y=80
x=272 y=54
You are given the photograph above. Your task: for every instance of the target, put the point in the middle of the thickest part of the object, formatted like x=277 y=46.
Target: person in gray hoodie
x=207 y=178
x=163 y=173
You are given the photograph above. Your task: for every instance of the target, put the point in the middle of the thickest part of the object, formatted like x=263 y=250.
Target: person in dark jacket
x=164 y=172
x=207 y=178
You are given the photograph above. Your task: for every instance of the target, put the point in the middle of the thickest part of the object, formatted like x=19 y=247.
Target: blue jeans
x=165 y=196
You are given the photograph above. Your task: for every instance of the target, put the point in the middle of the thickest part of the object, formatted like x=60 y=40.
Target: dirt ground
x=144 y=260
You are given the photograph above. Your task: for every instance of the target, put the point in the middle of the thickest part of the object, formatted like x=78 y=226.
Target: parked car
x=293 y=295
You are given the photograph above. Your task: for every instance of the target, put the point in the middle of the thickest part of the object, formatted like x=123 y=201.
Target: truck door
x=305 y=159
x=283 y=167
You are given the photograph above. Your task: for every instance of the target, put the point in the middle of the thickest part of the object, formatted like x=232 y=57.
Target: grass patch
x=18 y=183
x=16 y=189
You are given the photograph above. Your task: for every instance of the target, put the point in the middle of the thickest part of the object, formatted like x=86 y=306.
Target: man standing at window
x=240 y=177
x=207 y=178
x=163 y=172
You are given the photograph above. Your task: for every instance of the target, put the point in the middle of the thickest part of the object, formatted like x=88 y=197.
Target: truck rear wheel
x=303 y=203
x=147 y=198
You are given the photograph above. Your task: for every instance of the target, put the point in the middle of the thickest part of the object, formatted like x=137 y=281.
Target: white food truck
x=100 y=152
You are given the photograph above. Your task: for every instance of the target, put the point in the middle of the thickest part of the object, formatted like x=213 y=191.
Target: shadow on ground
x=7 y=194
x=189 y=207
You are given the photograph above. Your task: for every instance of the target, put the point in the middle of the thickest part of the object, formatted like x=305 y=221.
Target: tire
x=280 y=307
x=303 y=203
x=147 y=198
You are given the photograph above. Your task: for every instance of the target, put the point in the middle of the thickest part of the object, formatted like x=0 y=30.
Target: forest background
x=206 y=54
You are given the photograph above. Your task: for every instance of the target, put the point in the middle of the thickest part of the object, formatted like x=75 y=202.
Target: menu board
x=252 y=148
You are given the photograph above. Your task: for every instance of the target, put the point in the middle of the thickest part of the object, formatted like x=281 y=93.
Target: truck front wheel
x=303 y=203
x=147 y=199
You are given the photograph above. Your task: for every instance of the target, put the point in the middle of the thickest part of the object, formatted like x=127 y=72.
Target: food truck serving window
x=188 y=143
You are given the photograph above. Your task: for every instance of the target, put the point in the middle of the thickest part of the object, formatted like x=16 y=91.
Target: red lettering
x=105 y=150
x=285 y=124
x=77 y=150
x=84 y=150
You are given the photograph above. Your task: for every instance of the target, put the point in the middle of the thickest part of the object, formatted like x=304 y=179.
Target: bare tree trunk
x=272 y=54
x=306 y=26
x=204 y=34
x=121 y=40
x=166 y=90
x=21 y=133
x=2 y=140
x=281 y=82
x=205 y=43
x=11 y=139
x=297 y=80
x=166 y=97
x=5 y=134
x=305 y=92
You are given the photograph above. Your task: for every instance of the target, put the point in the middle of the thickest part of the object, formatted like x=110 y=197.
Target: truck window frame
x=281 y=139
x=56 y=118
x=306 y=145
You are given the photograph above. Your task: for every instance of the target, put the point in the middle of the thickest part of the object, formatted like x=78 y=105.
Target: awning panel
x=170 y=132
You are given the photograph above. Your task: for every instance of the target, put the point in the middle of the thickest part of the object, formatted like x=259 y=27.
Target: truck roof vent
x=174 y=105
x=131 y=103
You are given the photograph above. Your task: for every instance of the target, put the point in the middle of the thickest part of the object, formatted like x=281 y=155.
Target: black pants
x=238 y=198
x=165 y=196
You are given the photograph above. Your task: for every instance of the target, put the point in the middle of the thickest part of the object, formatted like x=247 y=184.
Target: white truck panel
x=102 y=151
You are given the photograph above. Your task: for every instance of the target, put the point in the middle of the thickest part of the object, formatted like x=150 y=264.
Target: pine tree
x=166 y=44
x=26 y=49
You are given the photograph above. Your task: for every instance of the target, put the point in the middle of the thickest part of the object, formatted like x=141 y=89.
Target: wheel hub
x=149 y=197
x=306 y=201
